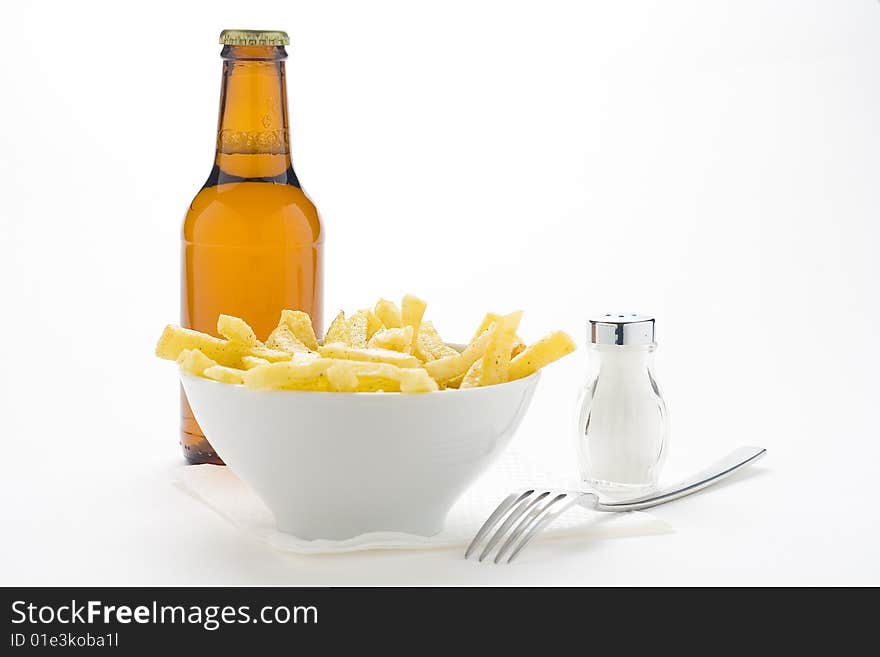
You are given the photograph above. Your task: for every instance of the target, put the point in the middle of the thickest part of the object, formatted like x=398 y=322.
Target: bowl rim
x=379 y=394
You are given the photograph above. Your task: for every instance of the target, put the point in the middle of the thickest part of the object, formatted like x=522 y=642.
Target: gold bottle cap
x=254 y=38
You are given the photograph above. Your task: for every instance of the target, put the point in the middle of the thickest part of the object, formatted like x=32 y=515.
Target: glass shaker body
x=623 y=426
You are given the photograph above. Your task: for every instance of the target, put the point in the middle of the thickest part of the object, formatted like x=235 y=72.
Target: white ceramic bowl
x=335 y=465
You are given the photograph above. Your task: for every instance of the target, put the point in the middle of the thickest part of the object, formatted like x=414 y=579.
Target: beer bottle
x=252 y=240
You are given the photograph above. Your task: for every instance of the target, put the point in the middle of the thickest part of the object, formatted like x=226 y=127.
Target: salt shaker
x=623 y=427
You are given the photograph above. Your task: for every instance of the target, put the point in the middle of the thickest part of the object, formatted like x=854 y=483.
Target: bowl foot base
x=334 y=534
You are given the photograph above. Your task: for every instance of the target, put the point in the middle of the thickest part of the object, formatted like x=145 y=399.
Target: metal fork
x=534 y=509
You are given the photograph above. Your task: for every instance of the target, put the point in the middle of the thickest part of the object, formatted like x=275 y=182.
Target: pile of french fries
x=389 y=349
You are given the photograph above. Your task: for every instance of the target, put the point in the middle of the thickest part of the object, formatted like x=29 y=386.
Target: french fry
x=549 y=348
x=416 y=380
x=377 y=384
x=303 y=357
x=472 y=377
x=518 y=344
x=496 y=360
x=272 y=355
x=301 y=325
x=235 y=329
x=175 y=339
x=412 y=309
x=387 y=349
x=388 y=313
x=448 y=368
x=429 y=345
x=488 y=320
x=297 y=358
x=339 y=350
x=250 y=362
x=194 y=361
x=329 y=374
x=375 y=377
x=395 y=339
x=225 y=374
x=290 y=376
x=284 y=339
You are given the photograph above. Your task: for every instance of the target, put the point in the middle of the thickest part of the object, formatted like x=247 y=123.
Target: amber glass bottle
x=252 y=240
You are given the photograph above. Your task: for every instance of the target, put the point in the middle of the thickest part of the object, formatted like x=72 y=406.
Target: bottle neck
x=253 y=135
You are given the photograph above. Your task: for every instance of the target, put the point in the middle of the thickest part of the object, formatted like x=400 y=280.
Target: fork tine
x=515 y=515
x=525 y=523
x=542 y=522
x=501 y=509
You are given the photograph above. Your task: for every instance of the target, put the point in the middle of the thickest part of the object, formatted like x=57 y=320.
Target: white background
x=713 y=163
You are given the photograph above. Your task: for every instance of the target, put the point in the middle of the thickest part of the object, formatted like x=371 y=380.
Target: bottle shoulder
x=252 y=213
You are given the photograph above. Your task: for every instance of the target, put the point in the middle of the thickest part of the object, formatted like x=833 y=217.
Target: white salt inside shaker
x=623 y=427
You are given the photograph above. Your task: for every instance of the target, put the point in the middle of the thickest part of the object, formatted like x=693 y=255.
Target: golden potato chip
x=194 y=361
x=374 y=324
x=357 y=330
x=301 y=325
x=429 y=345
x=388 y=313
x=283 y=339
x=339 y=350
x=351 y=331
x=225 y=374
x=235 y=329
x=395 y=339
x=496 y=360
x=549 y=348
x=338 y=329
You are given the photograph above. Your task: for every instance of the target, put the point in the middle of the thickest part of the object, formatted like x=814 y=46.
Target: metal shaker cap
x=622 y=329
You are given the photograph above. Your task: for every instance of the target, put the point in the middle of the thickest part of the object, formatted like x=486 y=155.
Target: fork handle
x=737 y=459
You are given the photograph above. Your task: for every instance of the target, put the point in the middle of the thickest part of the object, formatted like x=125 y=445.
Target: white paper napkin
x=221 y=490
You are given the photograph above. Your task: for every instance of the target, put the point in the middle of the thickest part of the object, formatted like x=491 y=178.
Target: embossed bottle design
x=252 y=240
